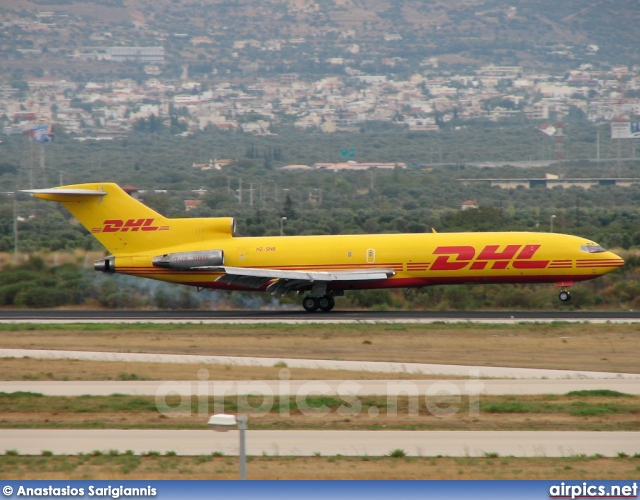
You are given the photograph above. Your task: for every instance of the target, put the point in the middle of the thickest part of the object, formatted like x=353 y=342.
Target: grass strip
x=583 y=412
x=115 y=464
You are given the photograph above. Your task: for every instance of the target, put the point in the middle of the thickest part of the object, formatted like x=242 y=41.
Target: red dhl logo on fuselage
x=455 y=258
x=116 y=225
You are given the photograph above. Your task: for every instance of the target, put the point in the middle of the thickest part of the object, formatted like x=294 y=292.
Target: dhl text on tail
x=204 y=252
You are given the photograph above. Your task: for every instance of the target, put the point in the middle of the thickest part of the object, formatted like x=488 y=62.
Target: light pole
x=222 y=423
x=282 y=219
x=598 y=152
x=551 y=223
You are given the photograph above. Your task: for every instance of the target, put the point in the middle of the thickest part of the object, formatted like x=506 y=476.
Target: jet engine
x=190 y=260
x=106 y=265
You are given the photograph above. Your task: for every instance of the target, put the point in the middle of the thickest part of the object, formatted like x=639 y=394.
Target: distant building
x=539 y=111
x=550 y=182
x=214 y=164
x=288 y=78
x=191 y=204
x=296 y=167
x=469 y=205
x=510 y=72
x=354 y=165
x=24 y=115
x=132 y=191
x=187 y=99
x=200 y=192
x=547 y=128
x=137 y=54
x=201 y=40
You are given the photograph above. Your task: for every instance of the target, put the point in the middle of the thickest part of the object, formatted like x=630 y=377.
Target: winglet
x=434 y=231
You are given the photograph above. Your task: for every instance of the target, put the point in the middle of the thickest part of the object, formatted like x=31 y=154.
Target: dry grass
x=601 y=347
x=106 y=467
x=555 y=346
x=73 y=369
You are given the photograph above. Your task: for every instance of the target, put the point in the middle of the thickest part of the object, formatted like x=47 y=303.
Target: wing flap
x=284 y=281
x=351 y=275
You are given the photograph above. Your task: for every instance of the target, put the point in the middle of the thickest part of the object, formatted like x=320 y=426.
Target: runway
x=327 y=443
x=298 y=316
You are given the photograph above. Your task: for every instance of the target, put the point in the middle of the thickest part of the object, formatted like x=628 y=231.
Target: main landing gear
x=324 y=303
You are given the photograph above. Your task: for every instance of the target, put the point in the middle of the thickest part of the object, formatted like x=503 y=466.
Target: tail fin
x=124 y=225
x=120 y=222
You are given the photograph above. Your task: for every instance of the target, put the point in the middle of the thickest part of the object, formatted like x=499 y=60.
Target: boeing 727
x=205 y=253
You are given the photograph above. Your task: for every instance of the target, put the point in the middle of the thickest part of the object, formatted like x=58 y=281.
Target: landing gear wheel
x=326 y=303
x=564 y=296
x=310 y=304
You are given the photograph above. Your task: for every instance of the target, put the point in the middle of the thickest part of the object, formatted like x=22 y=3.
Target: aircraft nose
x=610 y=262
x=617 y=258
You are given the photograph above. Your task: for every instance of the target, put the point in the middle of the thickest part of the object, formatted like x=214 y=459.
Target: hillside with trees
x=427 y=194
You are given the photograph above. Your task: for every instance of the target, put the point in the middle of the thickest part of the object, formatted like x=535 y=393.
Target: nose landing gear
x=564 y=296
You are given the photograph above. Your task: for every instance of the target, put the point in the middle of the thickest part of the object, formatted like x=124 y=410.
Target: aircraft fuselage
x=417 y=259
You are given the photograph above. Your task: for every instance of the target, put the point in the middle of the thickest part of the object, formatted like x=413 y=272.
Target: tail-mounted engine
x=106 y=265
x=190 y=260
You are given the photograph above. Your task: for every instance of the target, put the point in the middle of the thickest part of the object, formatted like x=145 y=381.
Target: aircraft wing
x=284 y=281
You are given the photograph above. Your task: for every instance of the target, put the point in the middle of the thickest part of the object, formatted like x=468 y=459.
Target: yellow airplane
x=204 y=252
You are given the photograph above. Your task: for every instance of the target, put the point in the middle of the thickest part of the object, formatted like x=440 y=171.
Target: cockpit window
x=591 y=248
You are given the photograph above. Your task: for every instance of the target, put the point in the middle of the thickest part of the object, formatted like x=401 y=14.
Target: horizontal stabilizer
x=63 y=194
